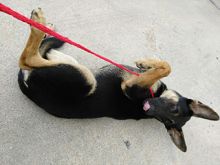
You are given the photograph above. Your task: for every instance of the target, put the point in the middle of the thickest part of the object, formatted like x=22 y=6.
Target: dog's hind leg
x=30 y=57
x=155 y=70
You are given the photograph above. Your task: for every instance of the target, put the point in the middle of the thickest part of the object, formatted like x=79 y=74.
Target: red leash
x=45 y=29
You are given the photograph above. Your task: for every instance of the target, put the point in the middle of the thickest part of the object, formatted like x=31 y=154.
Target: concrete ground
x=186 y=33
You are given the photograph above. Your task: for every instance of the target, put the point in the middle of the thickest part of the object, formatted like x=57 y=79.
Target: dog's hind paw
x=38 y=16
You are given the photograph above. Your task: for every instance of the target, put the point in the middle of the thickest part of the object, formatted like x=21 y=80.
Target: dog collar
x=151 y=92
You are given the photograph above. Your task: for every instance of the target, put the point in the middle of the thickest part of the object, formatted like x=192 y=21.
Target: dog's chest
x=158 y=88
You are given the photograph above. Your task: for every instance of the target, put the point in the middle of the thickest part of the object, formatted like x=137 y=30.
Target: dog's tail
x=49 y=43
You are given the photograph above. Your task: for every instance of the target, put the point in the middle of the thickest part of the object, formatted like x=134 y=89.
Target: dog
x=64 y=88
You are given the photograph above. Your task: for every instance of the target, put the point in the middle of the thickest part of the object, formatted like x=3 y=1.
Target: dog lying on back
x=64 y=88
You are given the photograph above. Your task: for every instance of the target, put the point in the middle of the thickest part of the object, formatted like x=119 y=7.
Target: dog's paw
x=38 y=16
x=147 y=64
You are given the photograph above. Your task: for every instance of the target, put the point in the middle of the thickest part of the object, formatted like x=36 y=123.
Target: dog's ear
x=177 y=138
x=201 y=110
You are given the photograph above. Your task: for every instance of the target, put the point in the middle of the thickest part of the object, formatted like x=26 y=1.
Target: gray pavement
x=186 y=33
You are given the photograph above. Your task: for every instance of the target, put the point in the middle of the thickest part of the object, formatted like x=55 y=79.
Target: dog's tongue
x=146 y=106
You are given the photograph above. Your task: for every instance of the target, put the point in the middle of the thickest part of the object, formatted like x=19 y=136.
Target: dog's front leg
x=155 y=70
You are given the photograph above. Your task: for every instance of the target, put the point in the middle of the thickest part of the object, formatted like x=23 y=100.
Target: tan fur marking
x=89 y=77
x=156 y=85
x=169 y=94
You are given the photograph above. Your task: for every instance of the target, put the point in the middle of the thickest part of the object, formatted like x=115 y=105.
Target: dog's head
x=174 y=111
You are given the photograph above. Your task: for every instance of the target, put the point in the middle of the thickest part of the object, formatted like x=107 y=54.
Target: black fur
x=49 y=43
x=61 y=90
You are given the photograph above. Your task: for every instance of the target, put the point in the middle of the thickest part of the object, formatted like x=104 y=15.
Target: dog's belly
x=109 y=101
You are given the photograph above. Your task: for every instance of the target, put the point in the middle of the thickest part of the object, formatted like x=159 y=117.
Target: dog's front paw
x=147 y=64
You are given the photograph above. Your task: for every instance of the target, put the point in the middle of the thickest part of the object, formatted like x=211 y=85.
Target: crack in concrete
x=213 y=2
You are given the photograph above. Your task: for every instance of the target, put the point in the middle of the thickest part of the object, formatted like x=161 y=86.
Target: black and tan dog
x=64 y=88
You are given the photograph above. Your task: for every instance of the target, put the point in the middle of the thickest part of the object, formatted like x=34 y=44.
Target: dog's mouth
x=146 y=106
